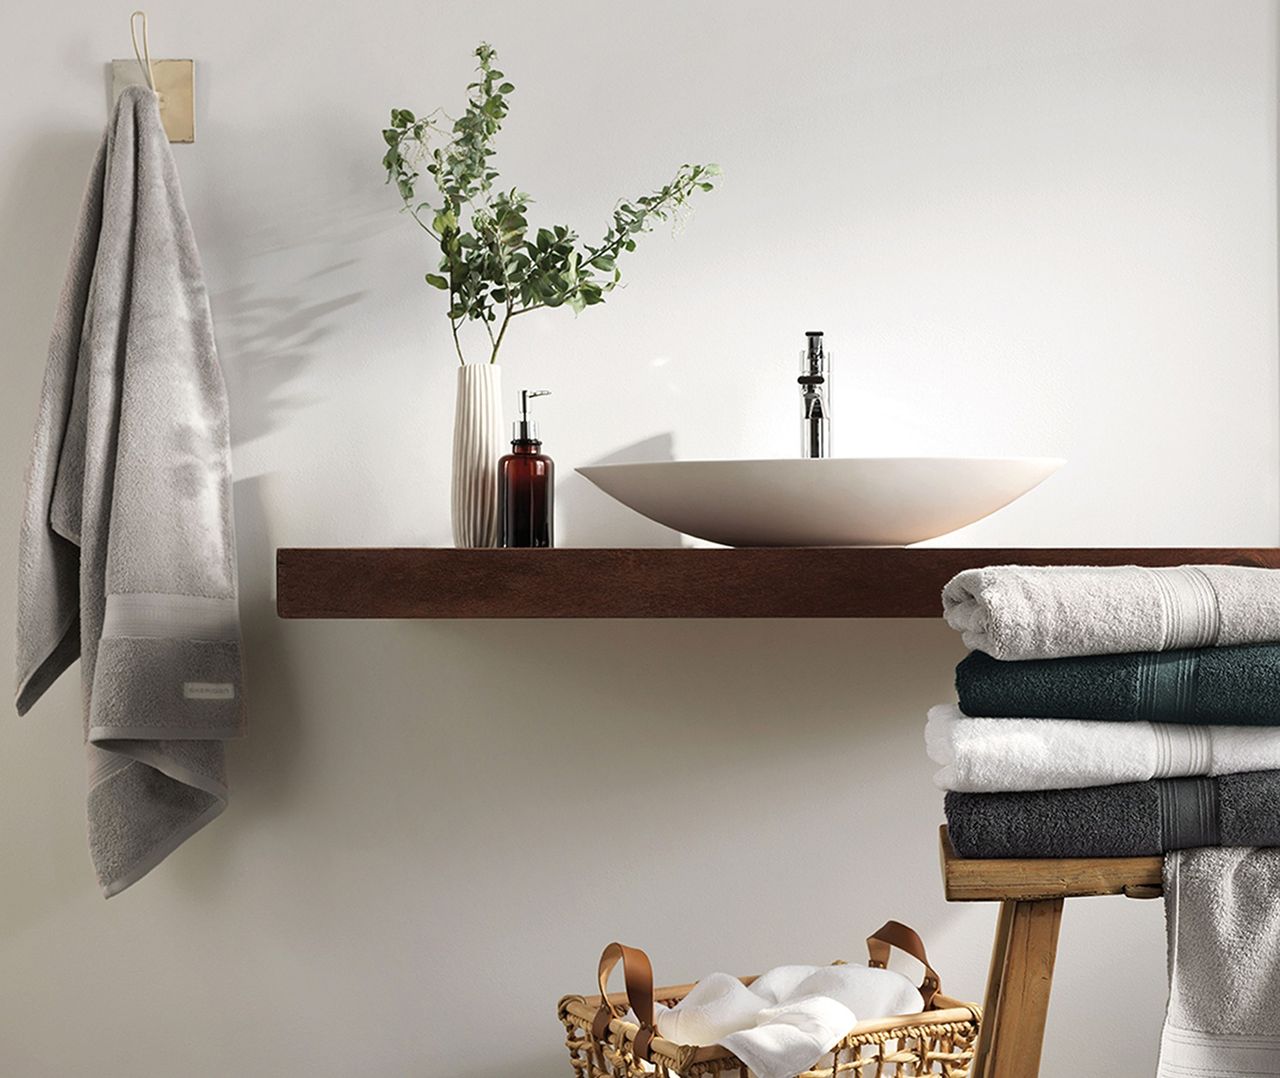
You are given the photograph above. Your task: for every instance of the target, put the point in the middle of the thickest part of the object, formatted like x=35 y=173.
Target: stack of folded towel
x=1126 y=712
x=1112 y=711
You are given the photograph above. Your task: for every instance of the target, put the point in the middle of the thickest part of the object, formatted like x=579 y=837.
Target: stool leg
x=995 y=976
x=1017 y=1001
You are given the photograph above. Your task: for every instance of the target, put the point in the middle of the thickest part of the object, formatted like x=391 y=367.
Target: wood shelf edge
x=671 y=582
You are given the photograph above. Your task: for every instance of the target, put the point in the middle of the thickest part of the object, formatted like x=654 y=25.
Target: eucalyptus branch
x=493 y=356
x=457 y=344
x=491 y=267
x=423 y=225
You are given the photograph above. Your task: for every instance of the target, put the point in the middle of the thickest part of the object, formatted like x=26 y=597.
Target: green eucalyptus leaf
x=490 y=265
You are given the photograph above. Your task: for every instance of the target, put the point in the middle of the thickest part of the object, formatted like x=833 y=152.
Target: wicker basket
x=602 y=1044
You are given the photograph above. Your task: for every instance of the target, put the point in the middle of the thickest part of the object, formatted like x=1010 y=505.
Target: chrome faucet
x=815 y=385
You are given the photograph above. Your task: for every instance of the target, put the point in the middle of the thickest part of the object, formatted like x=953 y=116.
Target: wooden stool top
x=1031 y=893
x=1034 y=879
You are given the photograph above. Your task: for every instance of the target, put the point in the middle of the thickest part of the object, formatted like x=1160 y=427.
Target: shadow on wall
x=39 y=209
x=588 y=517
x=262 y=768
x=270 y=312
x=265 y=774
x=38 y=215
x=266 y=342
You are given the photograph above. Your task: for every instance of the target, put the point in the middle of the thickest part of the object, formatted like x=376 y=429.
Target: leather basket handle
x=638 y=974
x=896 y=934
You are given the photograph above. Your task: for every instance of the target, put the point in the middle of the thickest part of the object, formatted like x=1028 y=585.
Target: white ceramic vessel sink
x=858 y=501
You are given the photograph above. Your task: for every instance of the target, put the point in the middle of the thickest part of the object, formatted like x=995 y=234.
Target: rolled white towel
x=790 y=1038
x=789 y=1017
x=868 y=991
x=980 y=755
x=1047 y=612
x=715 y=1007
x=781 y=982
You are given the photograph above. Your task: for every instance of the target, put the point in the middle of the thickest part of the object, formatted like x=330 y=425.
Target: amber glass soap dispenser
x=526 y=485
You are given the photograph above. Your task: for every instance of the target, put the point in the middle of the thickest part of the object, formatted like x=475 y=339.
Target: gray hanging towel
x=127 y=557
x=1223 y=1019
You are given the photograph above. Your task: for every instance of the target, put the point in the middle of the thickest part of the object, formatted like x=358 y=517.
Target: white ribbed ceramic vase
x=477 y=445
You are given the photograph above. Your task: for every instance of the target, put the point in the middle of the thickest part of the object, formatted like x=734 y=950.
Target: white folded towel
x=785 y=1021
x=1048 y=612
x=978 y=755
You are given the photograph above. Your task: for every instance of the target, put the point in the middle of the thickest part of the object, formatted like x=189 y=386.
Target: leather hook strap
x=638 y=974
x=896 y=934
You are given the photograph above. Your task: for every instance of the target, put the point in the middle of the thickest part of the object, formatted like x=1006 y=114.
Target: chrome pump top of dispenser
x=815 y=397
x=525 y=429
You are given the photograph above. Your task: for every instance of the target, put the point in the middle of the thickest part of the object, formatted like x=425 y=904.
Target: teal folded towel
x=1134 y=819
x=1233 y=686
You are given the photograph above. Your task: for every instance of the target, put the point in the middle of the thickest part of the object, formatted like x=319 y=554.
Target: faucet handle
x=814 y=381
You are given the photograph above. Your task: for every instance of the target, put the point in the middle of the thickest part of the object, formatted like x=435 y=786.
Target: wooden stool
x=1030 y=893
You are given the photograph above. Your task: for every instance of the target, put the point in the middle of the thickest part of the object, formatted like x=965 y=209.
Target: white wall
x=1026 y=227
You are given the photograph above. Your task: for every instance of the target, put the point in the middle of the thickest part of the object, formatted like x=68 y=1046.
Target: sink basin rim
x=1055 y=462
x=829 y=501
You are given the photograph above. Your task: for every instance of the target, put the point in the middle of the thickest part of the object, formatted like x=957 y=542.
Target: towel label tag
x=208 y=690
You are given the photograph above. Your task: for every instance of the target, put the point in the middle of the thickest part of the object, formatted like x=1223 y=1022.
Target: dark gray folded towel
x=1131 y=820
x=1235 y=686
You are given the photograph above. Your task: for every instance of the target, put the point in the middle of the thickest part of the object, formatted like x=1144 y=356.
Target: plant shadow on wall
x=267 y=336
x=270 y=335
x=265 y=341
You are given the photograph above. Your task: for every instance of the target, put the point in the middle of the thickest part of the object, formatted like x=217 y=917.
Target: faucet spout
x=814 y=384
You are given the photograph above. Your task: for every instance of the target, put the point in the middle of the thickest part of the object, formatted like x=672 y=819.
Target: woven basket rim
x=944 y=1013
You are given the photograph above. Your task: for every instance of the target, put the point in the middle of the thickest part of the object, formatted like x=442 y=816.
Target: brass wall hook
x=172 y=81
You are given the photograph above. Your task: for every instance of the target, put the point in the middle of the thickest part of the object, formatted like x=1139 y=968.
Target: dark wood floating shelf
x=802 y=582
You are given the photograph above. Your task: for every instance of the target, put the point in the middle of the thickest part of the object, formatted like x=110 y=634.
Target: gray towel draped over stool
x=127 y=557
x=1223 y=925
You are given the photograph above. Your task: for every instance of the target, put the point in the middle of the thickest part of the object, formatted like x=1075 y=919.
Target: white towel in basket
x=789 y=1017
